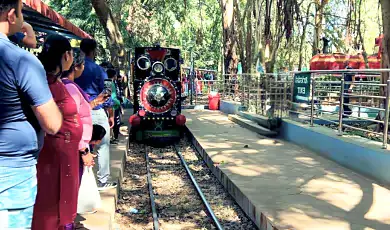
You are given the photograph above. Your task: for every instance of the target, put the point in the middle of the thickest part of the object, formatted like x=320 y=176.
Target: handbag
x=89 y=197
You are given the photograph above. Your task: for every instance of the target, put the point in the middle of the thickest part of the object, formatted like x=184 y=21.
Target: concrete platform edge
x=104 y=218
x=364 y=156
x=198 y=107
x=230 y=107
x=248 y=124
x=261 y=221
x=259 y=119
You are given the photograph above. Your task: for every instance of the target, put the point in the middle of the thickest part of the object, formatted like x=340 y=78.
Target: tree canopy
x=277 y=34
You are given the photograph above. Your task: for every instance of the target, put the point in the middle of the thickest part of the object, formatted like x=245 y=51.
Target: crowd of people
x=201 y=79
x=56 y=118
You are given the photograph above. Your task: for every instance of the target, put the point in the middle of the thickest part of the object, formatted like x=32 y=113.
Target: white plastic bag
x=89 y=196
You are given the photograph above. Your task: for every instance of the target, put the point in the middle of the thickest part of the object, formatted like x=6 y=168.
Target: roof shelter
x=45 y=20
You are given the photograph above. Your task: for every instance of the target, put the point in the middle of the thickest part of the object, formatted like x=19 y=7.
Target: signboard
x=302 y=88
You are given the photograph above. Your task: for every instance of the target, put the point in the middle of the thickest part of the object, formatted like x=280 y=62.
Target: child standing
x=112 y=74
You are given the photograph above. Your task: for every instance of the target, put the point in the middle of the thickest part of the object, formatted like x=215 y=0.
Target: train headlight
x=143 y=63
x=158 y=67
x=170 y=64
x=173 y=113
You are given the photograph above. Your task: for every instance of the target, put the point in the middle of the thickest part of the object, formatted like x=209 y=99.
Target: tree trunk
x=229 y=41
x=303 y=37
x=244 y=42
x=320 y=4
x=386 y=41
x=249 y=41
x=111 y=29
x=268 y=36
x=258 y=42
x=273 y=43
x=385 y=4
x=361 y=38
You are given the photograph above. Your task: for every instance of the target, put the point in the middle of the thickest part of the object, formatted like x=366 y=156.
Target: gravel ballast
x=178 y=205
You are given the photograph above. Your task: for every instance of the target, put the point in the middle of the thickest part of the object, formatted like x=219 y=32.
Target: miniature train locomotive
x=157 y=95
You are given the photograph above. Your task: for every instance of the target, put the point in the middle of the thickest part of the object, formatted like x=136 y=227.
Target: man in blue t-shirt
x=25 y=99
x=26 y=37
x=92 y=82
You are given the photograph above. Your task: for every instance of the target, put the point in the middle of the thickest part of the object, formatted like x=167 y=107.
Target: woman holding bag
x=89 y=196
x=84 y=105
x=58 y=163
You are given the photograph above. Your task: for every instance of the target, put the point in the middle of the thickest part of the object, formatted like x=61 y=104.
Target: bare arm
x=49 y=117
x=29 y=40
x=353 y=80
x=31 y=80
x=111 y=117
x=100 y=99
x=110 y=112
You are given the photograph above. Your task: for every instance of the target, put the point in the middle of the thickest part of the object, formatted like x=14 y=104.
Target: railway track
x=167 y=155
x=175 y=200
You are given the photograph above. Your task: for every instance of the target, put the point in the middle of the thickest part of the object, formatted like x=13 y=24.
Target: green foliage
x=82 y=14
x=192 y=26
x=195 y=26
x=334 y=24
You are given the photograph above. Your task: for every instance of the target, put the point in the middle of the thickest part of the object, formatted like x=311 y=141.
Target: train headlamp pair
x=158 y=67
x=144 y=63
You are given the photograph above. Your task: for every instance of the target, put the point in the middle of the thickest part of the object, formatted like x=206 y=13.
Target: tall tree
x=386 y=41
x=229 y=36
x=282 y=13
x=386 y=30
x=303 y=36
x=111 y=29
x=320 y=5
x=244 y=43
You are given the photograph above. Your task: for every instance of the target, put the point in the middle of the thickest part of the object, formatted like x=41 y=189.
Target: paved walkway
x=293 y=187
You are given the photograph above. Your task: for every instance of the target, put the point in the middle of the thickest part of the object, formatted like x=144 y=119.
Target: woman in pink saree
x=84 y=106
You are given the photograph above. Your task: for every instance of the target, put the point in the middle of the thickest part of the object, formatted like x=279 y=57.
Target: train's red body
x=337 y=61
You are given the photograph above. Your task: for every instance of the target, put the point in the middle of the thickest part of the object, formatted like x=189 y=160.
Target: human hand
x=26 y=27
x=101 y=98
x=88 y=159
x=111 y=122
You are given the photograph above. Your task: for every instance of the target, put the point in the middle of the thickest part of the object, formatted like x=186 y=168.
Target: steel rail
x=198 y=189
x=156 y=225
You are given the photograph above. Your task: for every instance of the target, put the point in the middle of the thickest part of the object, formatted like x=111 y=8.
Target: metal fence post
x=249 y=91
x=291 y=105
x=266 y=95
x=341 y=109
x=284 y=108
x=386 y=119
x=243 y=82
x=360 y=98
x=312 y=101
x=257 y=94
x=223 y=85
x=280 y=89
x=261 y=86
